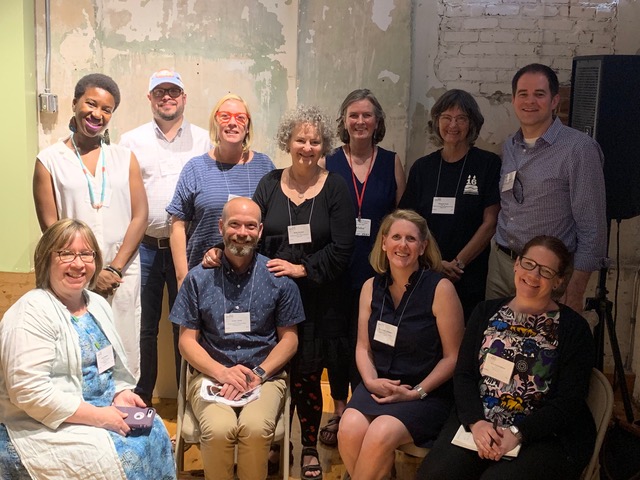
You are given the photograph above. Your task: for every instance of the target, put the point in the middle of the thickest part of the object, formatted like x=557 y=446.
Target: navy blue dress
x=416 y=352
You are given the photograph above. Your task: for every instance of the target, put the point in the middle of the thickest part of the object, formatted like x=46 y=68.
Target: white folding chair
x=600 y=401
x=188 y=429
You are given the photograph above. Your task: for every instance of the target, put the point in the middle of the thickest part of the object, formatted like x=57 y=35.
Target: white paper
x=210 y=392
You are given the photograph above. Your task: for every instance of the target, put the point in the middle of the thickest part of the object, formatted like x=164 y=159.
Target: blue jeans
x=157 y=269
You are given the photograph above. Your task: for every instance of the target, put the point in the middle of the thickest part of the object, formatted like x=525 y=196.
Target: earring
x=72 y=125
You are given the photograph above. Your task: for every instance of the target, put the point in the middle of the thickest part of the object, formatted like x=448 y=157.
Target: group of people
x=276 y=274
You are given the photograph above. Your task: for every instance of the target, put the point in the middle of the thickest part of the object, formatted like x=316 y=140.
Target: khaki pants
x=251 y=428
x=500 y=276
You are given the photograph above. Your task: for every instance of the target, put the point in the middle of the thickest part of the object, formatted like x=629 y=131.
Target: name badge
x=498 y=368
x=299 y=234
x=385 y=333
x=363 y=227
x=509 y=180
x=232 y=196
x=237 y=322
x=170 y=167
x=444 y=205
x=105 y=359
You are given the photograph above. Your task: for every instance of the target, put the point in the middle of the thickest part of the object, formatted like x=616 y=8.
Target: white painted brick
x=452 y=24
x=463 y=37
x=449 y=50
x=582 y=12
x=539 y=11
x=498 y=62
x=571 y=37
x=524 y=60
x=606 y=11
x=549 y=37
x=448 y=74
x=559 y=24
x=534 y=37
x=602 y=39
x=597 y=27
x=464 y=11
x=502 y=9
x=495 y=88
x=458 y=62
x=557 y=50
x=593 y=50
x=471 y=87
x=497 y=36
x=505 y=76
x=515 y=24
x=478 y=49
x=515 y=49
x=478 y=75
x=565 y=64
x=479 y=23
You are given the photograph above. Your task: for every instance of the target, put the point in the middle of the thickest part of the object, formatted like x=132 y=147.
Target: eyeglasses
x=545 y=271
x=225 y=117
x=460 y=119
x=174 y=92
x=66 y=256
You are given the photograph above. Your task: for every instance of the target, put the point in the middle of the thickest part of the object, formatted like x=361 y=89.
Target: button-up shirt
x=161 y=161
x=208 y=294
x=561 y=192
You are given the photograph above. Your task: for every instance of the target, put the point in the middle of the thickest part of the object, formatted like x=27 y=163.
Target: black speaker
x=605 y=103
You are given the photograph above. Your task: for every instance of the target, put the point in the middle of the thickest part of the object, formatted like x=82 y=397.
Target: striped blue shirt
x=560 y=184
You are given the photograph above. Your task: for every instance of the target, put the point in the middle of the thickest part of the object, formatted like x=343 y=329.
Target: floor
x=333 y=468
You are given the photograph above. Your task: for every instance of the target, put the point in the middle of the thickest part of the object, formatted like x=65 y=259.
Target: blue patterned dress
x=143 y=457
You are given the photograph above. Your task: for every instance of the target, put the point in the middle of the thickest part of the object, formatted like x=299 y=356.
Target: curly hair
x=97 y=80
x=356 y=96
x=305 y=115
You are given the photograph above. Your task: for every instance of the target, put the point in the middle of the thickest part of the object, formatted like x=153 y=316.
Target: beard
x=240 y=250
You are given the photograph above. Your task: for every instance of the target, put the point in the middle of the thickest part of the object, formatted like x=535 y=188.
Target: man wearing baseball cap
x=162 y=147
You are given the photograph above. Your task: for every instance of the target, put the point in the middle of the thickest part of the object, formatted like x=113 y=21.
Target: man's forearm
x=574 y=296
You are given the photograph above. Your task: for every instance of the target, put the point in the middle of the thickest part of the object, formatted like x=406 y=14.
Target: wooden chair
x=188 y=429
x=600 y=401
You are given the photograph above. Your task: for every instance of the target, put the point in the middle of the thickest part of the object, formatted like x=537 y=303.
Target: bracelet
x=420 y=391
x=113 y=270
x=459 y=264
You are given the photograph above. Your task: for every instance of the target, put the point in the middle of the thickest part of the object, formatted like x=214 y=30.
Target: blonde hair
x=213 y=122
x=56 y=238
x=430 y=258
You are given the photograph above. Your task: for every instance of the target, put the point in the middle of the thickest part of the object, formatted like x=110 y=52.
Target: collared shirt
x=563 y=194
x=207 y=294
x=161 y=162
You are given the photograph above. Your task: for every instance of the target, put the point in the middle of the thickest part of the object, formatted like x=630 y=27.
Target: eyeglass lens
x=225 y=117
x=66 y=256
x=545 y=271
x=460 y=119
x=161 y=92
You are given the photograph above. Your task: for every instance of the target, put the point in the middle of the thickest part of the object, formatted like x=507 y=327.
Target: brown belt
x=157 y=243
x=512 y=254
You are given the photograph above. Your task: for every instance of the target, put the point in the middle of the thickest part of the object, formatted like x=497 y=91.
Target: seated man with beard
x=237 y=329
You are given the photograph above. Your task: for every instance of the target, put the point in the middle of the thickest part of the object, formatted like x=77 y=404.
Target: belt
x=157 y=243
x=512 y=254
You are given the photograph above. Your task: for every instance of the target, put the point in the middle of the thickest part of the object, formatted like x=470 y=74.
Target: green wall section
x=18 y=134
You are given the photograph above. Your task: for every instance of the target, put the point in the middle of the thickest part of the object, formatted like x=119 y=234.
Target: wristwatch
x=421 y=391
x=259 y=372
x=516 y=433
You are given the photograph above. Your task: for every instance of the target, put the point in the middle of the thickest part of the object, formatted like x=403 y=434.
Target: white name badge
x=299 y=234
x=232 y=196
x=509 y=180
x=444 y=205
x=105 y=358
x=385 y=333
x=498 y=368
x=363 y=227
x=170 y=167
x=237 y=322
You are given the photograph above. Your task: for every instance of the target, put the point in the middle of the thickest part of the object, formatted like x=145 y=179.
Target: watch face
x=259 y=371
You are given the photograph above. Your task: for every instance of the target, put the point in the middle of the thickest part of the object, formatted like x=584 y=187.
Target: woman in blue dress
x=409 y=332
x=64 y=375
x=376 y=182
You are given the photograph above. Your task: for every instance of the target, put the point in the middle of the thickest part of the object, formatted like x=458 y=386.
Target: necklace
x=304 y=187
x=87 y=175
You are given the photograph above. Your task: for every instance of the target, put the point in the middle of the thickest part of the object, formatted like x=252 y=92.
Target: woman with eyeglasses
x=456 y=190
x=83 y=176
x=64 y=375
x=231 y=169
x=521 y=379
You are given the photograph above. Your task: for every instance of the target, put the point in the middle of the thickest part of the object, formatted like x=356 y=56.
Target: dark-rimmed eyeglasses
x=173 y=92
x=225 y=117
x=546 y=272
x=518 y=190
x=67 y=256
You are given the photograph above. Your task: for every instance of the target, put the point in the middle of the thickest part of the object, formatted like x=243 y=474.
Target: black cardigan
x=564 y=412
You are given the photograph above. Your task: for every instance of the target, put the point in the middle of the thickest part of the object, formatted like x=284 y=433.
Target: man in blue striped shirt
x=551 y=183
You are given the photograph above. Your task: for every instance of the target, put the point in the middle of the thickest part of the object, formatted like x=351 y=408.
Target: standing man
x=551 y=183
x=238 y=329
x=162 y=147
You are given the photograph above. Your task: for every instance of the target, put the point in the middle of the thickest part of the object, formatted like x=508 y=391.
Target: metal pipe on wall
x=48 y=100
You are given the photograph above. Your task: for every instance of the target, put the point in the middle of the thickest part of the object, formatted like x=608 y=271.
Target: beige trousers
x=500 y=276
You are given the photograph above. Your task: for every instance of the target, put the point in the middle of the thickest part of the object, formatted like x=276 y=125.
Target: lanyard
x=360 y=196
x=87 y=175
x=224 y=175
x=384 y=297
x=459 y=178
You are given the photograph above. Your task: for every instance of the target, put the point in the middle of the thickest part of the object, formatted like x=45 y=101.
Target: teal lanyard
x=87 y=175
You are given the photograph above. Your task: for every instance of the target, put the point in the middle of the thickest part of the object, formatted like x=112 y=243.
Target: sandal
x=329 y=433
x=273 y=466
x=306 y=469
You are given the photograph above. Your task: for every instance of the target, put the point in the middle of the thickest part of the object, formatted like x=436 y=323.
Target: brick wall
x=482 y=43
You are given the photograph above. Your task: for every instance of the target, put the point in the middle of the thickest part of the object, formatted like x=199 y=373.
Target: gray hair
x=303 y=115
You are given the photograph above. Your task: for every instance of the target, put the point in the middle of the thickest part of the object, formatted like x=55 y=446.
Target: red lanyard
x=360 y=196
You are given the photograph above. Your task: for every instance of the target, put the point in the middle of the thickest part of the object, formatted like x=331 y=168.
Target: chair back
x=600 y=402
